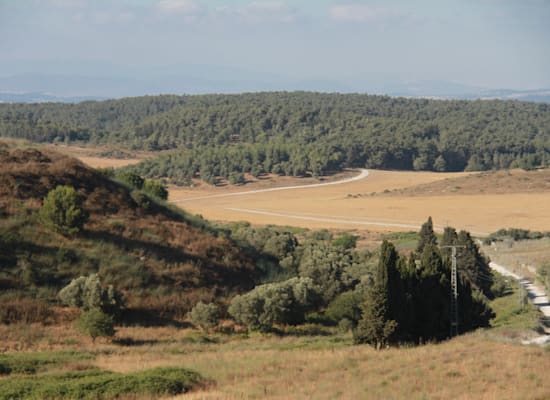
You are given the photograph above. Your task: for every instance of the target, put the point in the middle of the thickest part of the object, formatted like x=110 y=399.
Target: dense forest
x=295 y=133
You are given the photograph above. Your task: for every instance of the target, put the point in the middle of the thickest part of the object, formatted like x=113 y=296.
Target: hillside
x=295 y=133
x=163 y=259
x=493 y=182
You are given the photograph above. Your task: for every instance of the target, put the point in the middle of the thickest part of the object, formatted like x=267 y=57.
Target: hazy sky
x=488 y=43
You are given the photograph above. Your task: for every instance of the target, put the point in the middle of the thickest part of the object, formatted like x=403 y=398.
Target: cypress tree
x=473 y=265
x=377 y=325
x=432 y=297
x=427 y=235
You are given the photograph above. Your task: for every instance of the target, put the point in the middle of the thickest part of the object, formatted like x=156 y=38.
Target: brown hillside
x=493 y=182
x=178 y=257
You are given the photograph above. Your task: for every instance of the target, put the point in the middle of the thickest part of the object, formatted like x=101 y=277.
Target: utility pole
x=454 y=291
x=521 y=295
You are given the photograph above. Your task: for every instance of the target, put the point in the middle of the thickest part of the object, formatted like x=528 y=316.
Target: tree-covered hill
x=296 y=133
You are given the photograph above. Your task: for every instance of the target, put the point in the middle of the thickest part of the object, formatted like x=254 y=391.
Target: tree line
x=296 y=133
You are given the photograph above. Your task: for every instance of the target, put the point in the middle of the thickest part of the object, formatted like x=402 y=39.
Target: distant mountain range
x=36 y=88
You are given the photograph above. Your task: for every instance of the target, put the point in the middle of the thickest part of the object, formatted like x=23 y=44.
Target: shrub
x=87 y=293
x=96 y=323
x=31 y=363
x=94 y=384
x=141 y=199
x=24 y=310
x=346 y=306
x=204 y=315
x=131 y=178
x=331 y=268
x=500 y=286
x=62 y=211
x=346 y=241
x=156 y=189
x=275 y=303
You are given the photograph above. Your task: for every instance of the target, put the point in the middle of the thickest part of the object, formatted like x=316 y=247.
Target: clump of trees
x=151 y=187
x=86 y=292
x=100 y=305
x=62 y=210
x=409 y=300
x=275 y=303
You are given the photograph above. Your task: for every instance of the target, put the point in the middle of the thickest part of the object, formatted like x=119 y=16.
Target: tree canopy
x=296 y=133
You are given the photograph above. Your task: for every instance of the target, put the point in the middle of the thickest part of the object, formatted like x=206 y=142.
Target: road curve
x=364 y=173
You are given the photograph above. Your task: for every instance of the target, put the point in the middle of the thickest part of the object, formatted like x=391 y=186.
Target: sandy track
x=536 y=295
x=364 y=173
x=350 y=204
x=331 y=219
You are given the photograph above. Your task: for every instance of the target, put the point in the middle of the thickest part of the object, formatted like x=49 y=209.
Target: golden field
x=305 y=366
x=376 y=204
x=384 y=201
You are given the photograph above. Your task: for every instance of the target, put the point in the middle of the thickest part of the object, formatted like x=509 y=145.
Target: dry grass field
x=522 y=257
x=473 y=366
x=98 y=157
x=380 y=203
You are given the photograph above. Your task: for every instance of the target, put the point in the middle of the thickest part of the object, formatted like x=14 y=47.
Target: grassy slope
x=162 y=258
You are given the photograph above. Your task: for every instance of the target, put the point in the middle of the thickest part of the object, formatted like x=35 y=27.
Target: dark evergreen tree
x=377 y=325
x=473 y=265
x=427 y=236
x=432 y=298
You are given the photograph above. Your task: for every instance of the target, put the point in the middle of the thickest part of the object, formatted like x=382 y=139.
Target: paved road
x=363 y=174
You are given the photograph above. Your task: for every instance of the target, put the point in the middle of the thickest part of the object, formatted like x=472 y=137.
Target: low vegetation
x=96 y=384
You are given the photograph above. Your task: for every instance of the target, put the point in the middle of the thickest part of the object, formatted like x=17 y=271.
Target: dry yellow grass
x=522 y=257
x=303 y=368
x=92 y=156
x=333 y=207
x=473 y=366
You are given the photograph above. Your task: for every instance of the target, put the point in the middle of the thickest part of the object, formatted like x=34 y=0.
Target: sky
x=482 y=43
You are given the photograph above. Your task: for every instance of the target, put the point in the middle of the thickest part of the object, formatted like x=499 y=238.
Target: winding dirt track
x=349 y=204
x=364 y=173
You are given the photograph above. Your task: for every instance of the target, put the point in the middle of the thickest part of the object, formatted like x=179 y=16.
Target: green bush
x=346 y=306
x=500 y=286
x=87 y=293
x=62 y=211
x=346 y=241
x=98 y=385
x=275 y=303
x=204 y=315
x=156 y=189
x=131 y=179
x=141 y=199
x=96 y=323
x=31 y=363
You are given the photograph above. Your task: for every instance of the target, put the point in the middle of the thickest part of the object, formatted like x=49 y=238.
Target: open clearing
x=97 y=157
x=370 y=204
x=315 y=366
